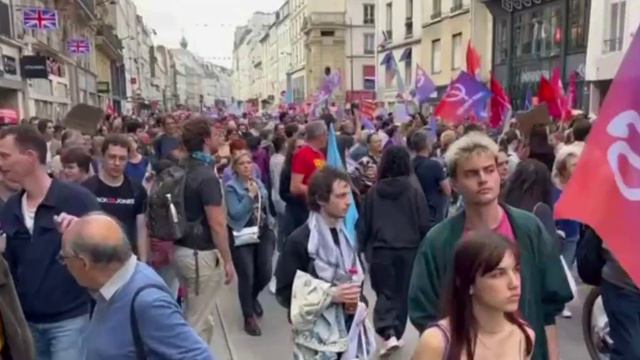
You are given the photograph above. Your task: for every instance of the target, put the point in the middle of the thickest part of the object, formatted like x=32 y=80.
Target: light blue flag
x=335 y=160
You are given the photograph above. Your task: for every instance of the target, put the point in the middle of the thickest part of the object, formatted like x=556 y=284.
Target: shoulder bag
x=250 y=234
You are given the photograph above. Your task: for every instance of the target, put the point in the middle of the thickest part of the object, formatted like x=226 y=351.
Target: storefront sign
x=104 y=87
x=10 y=65
x=34 y=67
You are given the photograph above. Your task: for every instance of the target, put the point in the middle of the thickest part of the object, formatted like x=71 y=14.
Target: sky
x=208 y=25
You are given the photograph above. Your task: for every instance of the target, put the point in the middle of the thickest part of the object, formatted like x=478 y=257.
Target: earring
x=470 y=291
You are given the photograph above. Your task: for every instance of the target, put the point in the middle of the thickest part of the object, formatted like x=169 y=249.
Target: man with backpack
x=186 y=207
x=135 y=317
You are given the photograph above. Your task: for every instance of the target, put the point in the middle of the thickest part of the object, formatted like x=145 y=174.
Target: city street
x=234 y=344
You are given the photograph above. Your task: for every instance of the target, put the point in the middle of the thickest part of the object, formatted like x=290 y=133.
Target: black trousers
x=390 y=277
x=253 y=265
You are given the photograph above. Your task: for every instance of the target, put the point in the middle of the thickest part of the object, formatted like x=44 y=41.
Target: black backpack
x=590 y=258
x=166 y=213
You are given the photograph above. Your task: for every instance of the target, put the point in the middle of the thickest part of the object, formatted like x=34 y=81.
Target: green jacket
x=545 y=288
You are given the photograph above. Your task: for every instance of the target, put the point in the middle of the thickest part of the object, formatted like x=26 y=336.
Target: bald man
x=98 y=254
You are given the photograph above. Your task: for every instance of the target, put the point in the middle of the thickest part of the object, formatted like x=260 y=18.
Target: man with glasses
x=118 y=195
x=55 y=306
x=129 y=296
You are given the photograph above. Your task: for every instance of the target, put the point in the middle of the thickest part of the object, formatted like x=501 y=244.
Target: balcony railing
x=612 y=45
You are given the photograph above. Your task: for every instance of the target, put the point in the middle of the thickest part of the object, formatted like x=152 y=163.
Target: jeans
x=170 y=277
x=390 y=277
x=254 y=267
x=568 y=251
x=63 y=340
x=200 y=306
x=623 y=310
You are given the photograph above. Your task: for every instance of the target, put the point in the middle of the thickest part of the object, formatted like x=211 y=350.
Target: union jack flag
x=79 y=46
x=42 y=19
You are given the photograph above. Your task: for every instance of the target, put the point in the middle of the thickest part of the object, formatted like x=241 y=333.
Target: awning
x=387 y=57
x=406 y=55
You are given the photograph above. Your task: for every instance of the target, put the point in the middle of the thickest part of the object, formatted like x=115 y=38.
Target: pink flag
x=609 y=170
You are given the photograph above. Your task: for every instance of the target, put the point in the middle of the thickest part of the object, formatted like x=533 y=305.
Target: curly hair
x=395 y=162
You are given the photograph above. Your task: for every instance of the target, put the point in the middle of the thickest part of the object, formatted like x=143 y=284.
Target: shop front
x=532 y=38
x=11 y=85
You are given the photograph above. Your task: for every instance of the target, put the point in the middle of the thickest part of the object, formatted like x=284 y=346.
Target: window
x=327 y=33
x=389 y=18
x=456 y=51
x=501 y=41
x=457 y=5
x=409 y=9
x=407 y=71
x=437 y=9
x=369 y=14
x=369 y=44
x=435 y=57
x=578 y=20
x=369 y=77
x=615 y=33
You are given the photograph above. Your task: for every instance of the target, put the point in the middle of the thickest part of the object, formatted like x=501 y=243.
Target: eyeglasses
x=62 y=258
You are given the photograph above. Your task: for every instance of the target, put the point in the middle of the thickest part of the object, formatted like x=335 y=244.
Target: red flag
x=609 y=170
x=500 y=104
x=368 y=108
x=547 y=94
x=473 y=60
x=564 y=100
x=573 y=91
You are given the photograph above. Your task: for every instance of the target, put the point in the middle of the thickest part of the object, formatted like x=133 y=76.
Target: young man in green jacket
x=471 y=162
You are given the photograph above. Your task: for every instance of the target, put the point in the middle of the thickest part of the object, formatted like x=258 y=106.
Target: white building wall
x=400 y=40
x=356 y=57
x=602 y=63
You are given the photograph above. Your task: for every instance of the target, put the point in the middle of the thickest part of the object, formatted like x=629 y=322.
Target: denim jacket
x=240 y=204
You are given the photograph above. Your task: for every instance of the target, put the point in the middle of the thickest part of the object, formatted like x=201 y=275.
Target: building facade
x=398 y=35
x=11 y=85
x=360 y=47
x=531 y=39
x=612 y=26
x=447 y=28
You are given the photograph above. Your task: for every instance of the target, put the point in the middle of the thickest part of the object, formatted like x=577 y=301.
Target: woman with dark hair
x=481 y=319
x=393 y=220
x=529 y=186
x=295 y=209
x=539 y=146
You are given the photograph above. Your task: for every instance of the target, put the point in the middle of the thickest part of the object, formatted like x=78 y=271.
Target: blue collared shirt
x=163 y=329
x=47 y=291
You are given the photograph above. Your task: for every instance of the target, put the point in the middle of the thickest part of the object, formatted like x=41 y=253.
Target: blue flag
x=335 y=160
x=528 y=100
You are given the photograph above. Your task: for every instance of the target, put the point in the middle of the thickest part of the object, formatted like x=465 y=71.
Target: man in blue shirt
x=98 y=254
x=56 y=308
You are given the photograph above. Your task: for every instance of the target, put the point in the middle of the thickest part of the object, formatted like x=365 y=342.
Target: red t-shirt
x=306 y=161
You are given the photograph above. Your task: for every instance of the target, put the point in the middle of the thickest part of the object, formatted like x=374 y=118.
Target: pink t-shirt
x=503 y=228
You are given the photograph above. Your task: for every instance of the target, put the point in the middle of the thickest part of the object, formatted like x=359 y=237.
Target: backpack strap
x=135 y=330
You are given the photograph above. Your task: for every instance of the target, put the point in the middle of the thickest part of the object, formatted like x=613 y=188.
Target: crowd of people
x=131 y=232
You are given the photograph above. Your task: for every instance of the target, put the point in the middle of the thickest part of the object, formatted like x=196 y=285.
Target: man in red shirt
x=309 y=157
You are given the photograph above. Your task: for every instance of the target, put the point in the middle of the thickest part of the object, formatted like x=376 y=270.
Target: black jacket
x=394 y=215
